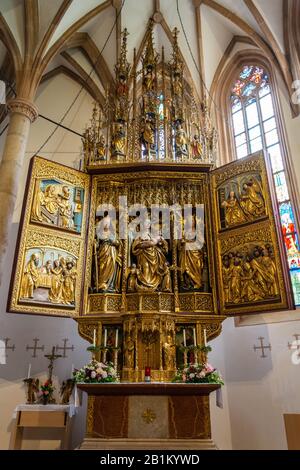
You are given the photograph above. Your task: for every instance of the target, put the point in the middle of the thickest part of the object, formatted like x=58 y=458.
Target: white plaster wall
x=260 y=390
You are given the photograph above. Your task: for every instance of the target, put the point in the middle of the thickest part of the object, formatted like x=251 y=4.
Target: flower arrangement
x=96 y=372
x=46 y=392
x=198 y=373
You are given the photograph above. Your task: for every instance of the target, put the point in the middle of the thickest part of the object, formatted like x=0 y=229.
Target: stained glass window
x=255 y=128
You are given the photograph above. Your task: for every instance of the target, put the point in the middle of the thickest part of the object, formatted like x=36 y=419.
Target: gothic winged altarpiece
x=152 y=299
x=149 y=297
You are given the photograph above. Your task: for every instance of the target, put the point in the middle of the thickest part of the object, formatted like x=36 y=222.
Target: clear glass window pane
x=252 y=115
x=281 y=187
x=240 y=139
x=295 y=277
x=275 y=157
x=255 y=132
x=272 y=137
x=270 y=124
x=242 y=151
x=238 y=123
x=264 y=91
x=266 y=105
x=256 y=145
x=237 y=105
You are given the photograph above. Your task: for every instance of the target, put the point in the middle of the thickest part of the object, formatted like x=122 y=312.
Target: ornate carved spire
x=176 y=63
x=122 y=67
x=150 y=56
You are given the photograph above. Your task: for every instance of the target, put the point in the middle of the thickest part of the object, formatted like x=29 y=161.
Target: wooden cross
x=295 y=344
x=35 y=348
x=64 y=348
x=262 y=346
x=6 y=347
x=52 y=357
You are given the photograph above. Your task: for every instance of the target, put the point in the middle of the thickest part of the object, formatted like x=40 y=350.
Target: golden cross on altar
x=52 y=357
x=149 y=416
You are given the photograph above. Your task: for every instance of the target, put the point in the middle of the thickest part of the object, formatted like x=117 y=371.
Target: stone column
x=22 y=114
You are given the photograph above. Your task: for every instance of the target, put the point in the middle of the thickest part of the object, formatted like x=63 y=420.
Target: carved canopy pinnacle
x=23 y=106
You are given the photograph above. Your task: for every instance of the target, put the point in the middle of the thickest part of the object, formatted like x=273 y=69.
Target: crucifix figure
x=262 y=346
x=52 y=357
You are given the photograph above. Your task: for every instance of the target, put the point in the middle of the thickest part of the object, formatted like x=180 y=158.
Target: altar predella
x=149 y=287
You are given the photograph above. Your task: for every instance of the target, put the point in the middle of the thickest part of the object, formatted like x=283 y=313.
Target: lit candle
x=29 y=370
x=184 y=338
x=94 y=342
x=117 y=337
x=194 y=331
x=105 y=337
x=205 y=339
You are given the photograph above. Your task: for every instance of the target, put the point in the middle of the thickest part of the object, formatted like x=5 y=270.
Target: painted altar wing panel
x=252 y=271
x=49 y=262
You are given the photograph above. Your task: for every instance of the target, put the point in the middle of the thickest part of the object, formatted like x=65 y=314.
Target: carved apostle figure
x=69 y=282
x=191 y=260
x=30 y=277
x=118 y=141
x=108 y=257
x=56 y=282
x=236 y=281
x=129 y=353
x=252 y=200
x=196 y=147
x=233 y=212
x=181 y=141
x=169 y=353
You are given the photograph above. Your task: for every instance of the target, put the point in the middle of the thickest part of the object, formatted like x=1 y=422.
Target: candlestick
x=105 y=337
x=29 y=370
x=184 y=338
x=205 y=338
x=94 y=342
x=117 y=335
x=194 y=332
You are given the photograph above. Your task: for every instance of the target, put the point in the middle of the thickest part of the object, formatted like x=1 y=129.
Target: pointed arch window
x=255 y=128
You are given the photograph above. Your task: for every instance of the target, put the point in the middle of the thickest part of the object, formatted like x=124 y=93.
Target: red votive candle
x=147 y=374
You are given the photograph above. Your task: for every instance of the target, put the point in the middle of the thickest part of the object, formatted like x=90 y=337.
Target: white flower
x=104 y=374
x=202 y=374
x=192 y=376
x=93 y=374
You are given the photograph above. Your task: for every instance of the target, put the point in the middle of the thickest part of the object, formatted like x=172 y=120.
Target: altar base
x=148 y=416
x=149 y=444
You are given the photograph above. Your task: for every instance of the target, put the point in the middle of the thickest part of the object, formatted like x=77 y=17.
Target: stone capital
x=23 y=106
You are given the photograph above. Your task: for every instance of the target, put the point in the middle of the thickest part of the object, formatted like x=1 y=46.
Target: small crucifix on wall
x=52 y=357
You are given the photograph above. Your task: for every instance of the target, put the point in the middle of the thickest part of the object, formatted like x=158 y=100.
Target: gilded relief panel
x=251 y=271
x=49 y=261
